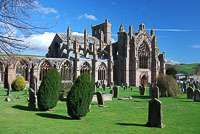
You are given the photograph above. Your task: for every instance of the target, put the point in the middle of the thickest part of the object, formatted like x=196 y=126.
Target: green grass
x=187 y=68
x=180 y=115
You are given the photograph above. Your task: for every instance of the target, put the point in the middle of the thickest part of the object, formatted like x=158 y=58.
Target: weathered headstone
x=32 y=99
x=155 y=114
x=104 y=87
x=196 y=95
x=131 y=89
x=9 y=90
x=116 y=92
x=184 y=86
x=151 y=89
x=100 y=98
x=142 y=90
x=111 y=91
x=155 y=92
x=190 y=93
x=124 y=88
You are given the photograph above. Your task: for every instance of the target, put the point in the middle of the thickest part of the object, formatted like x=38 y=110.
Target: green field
x=187 y=68
x=180 y=115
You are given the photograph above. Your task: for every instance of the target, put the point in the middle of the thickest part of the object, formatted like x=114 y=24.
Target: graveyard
x=126 y=116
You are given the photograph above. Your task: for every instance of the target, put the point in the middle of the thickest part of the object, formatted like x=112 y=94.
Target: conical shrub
x=49 y=90
x=80 y=97
x=18 y=84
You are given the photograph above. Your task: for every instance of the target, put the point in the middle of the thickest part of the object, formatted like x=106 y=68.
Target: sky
x=176 y=22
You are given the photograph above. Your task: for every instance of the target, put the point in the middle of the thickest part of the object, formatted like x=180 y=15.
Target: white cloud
x=87 y=16
x=45 y=10
x=40 y=42
x=113 y=40
x=196 y=46
x=172 y=30
x=172 y=62
x=77 y=33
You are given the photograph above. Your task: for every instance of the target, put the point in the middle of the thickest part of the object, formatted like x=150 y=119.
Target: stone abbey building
x=133 y=60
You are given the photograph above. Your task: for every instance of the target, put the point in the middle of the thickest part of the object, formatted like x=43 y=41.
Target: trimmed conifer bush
x=168 y=86
x=49 y=90
x=18 y=84
x=80 y=96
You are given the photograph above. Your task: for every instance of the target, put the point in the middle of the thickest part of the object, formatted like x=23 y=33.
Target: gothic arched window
x=44 y=68
x=102 y=72
x=85 y=68
x=144 y=54
x=1 y=72
x=22 y=69
x=66 y=71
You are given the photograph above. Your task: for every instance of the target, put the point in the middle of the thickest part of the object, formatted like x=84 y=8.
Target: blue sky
x=177 y=22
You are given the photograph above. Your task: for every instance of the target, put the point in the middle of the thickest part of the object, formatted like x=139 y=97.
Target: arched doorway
x=144 y=81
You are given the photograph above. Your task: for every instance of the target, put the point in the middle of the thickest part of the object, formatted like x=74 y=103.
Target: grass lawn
x=180 y=115
x=188 y=68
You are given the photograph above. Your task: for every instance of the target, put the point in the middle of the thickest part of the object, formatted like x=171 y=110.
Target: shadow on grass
x=141 y=97
x=54 y=116
x=25 y=108
x=187 y=101
x=131 y=124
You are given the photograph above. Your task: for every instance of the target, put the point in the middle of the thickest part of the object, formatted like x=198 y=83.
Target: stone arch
x=144 y=56
x=85 y=68
x=1 y=71
x=45 y=66
x=102 y=72
x=22 y=68
x=66 y=70
x=144 y=80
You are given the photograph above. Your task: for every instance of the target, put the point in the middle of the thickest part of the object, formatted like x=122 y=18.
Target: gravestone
x=196 y=95
x=116 y=92
x=100 y=98
x=142 y=90
x=190 y=93
x=151 y=89
x=184 y=86
x=104 y=87
x=111 y=91
x=9 y=90
x=131 y=89
x=32 y=99
x=155 y=92
x=155 y=114
x=124 y=88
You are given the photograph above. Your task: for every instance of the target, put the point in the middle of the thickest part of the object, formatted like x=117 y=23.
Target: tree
x=15 y=17
x=49 y=90
x=171 y=71
x=80 y=97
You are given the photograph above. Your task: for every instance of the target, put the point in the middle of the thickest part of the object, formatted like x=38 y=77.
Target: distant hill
x=186 y=68
x=23 y=55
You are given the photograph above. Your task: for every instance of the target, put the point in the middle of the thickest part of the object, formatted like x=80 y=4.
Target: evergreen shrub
x=80 y=96
x=49 y=90
x=18 y=84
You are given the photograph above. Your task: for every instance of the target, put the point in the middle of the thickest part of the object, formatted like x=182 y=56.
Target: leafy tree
x=171 y=71
x=80 y=97
x=49 y=90
x=167 y=86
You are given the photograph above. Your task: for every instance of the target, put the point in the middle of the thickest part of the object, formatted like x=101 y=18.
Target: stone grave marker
x=155 y=114
x=100 y=98
x=32 y=99
x=190 y=93
x=184 y=86
x=155 y=92
x=196 y=95
x=104 y=87
x=151 y=89
x=142 y=90
x=131 y=89
x=116 y=92
x=124 y=88
x=9 y=90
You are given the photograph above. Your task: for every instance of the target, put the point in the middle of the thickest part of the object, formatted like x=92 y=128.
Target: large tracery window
x=66 y=71
x=85 y=68
x=102 y=72
x=22 y=69
x=1 y=72
x=144 y=54
x=44 y=68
